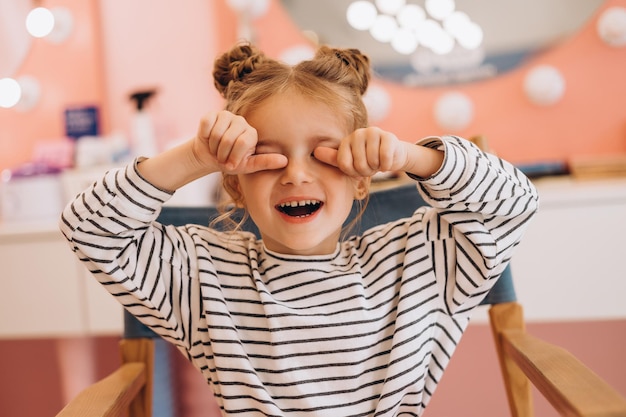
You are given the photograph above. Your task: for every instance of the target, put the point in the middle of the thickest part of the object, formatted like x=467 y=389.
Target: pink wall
x=69 y=74
x=117 y=47
x=174 y=49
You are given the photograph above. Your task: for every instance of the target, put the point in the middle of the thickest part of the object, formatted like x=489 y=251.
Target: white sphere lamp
x=454 y=111
x=612 y=26
x=544 y=85
x=22 y=93
x=377 y=101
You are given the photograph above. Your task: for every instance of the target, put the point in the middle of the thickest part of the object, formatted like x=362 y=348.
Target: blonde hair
x=246 y=77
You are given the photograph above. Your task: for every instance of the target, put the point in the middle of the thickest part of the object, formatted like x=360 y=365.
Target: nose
x=298 y=171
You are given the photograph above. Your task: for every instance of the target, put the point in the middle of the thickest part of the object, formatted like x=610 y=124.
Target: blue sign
x=82 y=121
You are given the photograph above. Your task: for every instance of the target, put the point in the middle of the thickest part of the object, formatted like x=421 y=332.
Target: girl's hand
x=365 y=152
x=226 y=142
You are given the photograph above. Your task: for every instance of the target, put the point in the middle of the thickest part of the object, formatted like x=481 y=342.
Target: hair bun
x=354 y=61
x=234 y=65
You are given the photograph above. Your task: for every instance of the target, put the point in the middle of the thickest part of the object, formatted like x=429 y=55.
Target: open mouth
x=302 y=208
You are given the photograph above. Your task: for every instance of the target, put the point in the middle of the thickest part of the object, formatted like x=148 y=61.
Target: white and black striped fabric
x=365 y=331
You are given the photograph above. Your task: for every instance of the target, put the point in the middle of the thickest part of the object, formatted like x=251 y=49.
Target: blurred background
x=87 y=85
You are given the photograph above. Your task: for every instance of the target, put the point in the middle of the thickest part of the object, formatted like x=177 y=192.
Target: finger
x=264 y=162
x=345 y=159
x=372 y=150
x=326 y=155
x=206 y=124
x=387 y=152
x=242 y=147
x=363 y=147
x=219 y=125
x=234 y=132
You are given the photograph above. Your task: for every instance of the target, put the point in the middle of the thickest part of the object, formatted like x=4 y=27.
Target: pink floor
x=30 y=380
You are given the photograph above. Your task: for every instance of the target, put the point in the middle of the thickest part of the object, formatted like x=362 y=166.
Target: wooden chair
x=571 y=387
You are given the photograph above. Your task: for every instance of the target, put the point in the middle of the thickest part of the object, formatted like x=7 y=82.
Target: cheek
x=253 y=186
x=347 y=191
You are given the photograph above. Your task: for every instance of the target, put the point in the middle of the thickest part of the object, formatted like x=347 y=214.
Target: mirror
x=15 y=41
x=512 y=30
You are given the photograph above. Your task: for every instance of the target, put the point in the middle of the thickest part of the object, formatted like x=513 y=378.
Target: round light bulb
x=456 y=23
x=361 y=15
x=471 y=36
x=404 y=42
x=384 y=28
x=410 y=16
x=40 y=22
x=390 y=7
x=10 y=92
x=22 y=93
x=439 y=9
x=425 y=32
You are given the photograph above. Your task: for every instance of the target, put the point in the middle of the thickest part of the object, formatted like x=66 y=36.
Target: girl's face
x=299 y=209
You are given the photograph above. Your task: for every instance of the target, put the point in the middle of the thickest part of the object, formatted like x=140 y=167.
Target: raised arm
x=370 y=150
x=482 y=205
x=111 y=226
x=224 y=142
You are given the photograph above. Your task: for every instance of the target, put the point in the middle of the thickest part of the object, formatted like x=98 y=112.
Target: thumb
x=326 y=155
x=265 y=161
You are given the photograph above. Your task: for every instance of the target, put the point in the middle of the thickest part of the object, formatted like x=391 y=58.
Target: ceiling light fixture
x=437 y=26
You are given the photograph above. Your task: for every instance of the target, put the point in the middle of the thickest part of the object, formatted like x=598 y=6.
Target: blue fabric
x=134 y=329
x=163 y=402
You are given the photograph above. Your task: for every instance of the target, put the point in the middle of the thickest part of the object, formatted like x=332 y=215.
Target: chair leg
x=518 y=387
x=140 y=350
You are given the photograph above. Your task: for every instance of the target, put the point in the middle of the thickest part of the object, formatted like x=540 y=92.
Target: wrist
x=423 y=162
x=174 y=168
x=197 y=166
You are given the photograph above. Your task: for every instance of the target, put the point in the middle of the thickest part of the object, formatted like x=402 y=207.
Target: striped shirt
x=367 y=330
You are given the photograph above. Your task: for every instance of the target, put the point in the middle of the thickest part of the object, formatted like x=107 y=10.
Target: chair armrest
x=110 y=396
x=571 y=387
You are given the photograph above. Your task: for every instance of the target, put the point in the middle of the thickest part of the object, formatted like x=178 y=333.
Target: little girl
x=300 y=322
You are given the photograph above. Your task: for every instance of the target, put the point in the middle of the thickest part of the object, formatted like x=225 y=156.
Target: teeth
x=299 y=203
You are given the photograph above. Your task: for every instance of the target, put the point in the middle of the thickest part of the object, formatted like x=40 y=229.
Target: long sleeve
x=481 y=207
x=110 y=227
